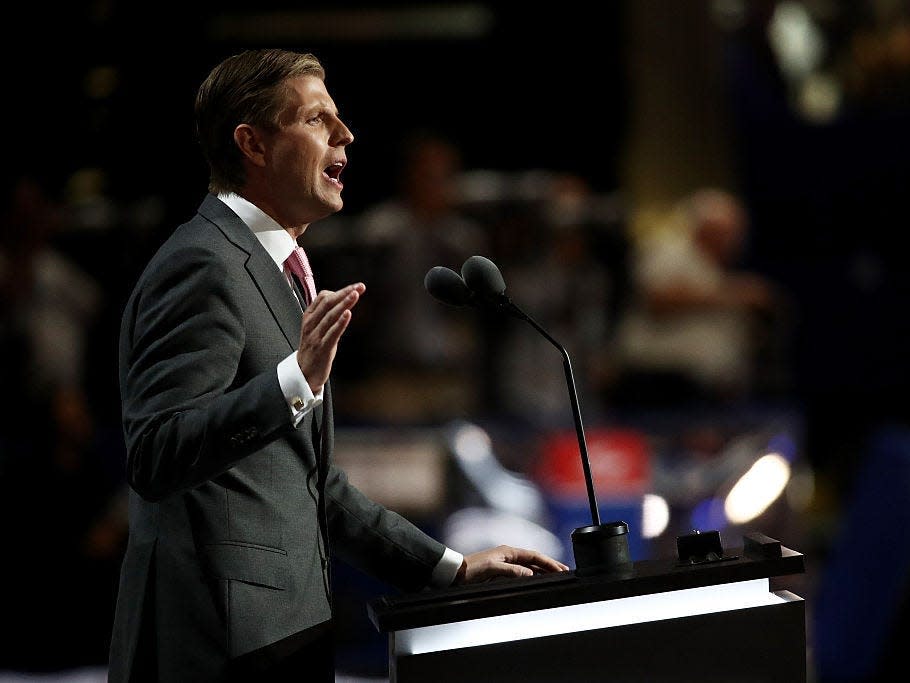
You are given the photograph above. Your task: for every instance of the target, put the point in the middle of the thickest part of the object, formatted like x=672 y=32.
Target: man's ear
x=249 y=141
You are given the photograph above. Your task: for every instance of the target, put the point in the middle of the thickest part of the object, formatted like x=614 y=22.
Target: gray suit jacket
x=225 y=554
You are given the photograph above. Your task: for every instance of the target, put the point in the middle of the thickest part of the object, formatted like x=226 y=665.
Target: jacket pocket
x=260 y=565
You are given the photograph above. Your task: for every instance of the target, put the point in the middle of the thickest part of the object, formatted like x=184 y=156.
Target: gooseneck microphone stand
x=599 y=548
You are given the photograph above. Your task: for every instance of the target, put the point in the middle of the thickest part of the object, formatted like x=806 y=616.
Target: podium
x=712 y=620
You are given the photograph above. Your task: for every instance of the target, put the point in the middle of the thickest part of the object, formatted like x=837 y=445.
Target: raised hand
x=324 y=321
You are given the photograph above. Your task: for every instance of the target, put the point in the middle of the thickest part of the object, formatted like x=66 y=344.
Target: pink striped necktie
x=299 y=265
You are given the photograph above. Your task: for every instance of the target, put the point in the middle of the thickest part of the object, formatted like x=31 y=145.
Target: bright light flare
x=655 y=515
x=757 y=488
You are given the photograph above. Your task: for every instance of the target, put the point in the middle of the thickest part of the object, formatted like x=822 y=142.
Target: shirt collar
x=276 y=240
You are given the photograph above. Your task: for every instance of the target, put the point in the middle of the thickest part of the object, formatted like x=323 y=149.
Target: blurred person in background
x=696 y=320
x=564 y=269
x=225 y=358
x=58 y=495
x=48 y=301
x=421 y=226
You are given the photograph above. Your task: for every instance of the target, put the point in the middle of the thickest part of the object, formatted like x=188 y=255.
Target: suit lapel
x=277 y=294
x=271 y=283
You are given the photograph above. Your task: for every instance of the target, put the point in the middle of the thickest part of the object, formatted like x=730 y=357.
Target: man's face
x=306 y=155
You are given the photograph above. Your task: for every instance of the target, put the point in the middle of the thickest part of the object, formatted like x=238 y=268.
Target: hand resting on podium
x=505 y=561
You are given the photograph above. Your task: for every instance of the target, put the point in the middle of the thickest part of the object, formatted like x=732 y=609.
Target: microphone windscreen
x=445 y=285
x=482 y=276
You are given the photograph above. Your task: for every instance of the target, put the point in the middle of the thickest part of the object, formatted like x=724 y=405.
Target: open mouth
x=333 y=173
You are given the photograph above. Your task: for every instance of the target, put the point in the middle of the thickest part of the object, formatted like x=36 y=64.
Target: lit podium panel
x=712 y=618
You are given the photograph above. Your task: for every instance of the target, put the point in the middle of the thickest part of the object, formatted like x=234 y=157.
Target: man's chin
x=336 y=205
x=327 y=208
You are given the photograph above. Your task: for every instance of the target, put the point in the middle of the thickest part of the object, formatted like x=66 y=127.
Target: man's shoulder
x=212 y=229
x=198 y=241
x=194 y=236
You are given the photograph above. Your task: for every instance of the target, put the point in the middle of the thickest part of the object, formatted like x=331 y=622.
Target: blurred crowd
x=648 y=322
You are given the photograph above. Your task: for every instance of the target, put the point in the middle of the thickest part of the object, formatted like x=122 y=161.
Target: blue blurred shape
x=863 y=585
x=708 y=514
x=785 y=445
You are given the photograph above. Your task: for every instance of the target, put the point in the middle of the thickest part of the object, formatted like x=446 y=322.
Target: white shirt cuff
x=446 y=569
x=297 y=392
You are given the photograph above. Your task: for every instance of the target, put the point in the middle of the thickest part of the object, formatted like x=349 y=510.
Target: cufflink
x=297 y=403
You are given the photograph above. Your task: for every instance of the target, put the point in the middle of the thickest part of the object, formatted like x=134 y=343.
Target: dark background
x=532 y=89
x=546 y=88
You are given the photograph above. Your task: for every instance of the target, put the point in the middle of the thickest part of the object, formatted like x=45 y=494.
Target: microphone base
x=602 y=549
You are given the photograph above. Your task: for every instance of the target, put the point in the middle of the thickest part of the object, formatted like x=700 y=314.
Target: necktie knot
x=299 y=265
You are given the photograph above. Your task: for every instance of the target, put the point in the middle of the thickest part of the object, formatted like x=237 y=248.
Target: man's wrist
x=446 y=569
x=461 y=573
x=297 y=391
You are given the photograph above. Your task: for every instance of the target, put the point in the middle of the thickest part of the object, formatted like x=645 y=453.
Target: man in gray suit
x=224 y=372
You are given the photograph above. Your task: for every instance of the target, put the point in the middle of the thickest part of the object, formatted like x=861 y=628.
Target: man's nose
x=343 y=134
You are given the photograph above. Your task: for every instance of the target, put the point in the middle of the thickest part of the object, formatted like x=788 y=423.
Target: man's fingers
x=324 y=321
x=327 y=300
x=506 y=569
x=508 y=561
x=323 y=314
x=532 y=558
x=333 y=334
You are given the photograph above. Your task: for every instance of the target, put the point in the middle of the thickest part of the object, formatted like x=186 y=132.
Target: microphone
x=488 y=292
x=598 y=548
x=446 y=286
x=482 y=276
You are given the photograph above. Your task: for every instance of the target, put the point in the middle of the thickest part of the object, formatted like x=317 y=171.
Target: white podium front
x=660 y=621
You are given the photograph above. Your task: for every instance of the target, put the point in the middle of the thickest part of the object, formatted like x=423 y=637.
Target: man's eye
x=315 y=120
